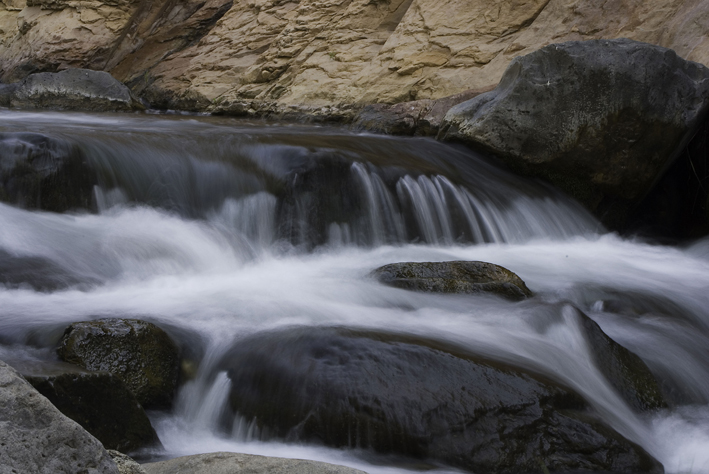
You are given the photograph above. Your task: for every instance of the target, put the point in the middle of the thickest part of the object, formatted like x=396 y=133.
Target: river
x=217 y=229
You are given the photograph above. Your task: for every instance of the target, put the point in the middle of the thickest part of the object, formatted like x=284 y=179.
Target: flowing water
x=217 y=229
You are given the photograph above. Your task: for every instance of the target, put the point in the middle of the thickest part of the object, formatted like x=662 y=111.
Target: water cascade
x=219 y=231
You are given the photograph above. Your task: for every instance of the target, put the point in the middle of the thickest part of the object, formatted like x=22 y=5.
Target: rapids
x=216 y=229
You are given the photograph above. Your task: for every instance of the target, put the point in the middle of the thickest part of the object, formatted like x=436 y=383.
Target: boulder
x=139 y=353
x=98 y=401
x=42 y=172
x=602 y=120
x=453 y=277
x=234 y=463
x=35 y=437
x=625 y=370
x=73 y=89
x=420 y=398
x=126 y=464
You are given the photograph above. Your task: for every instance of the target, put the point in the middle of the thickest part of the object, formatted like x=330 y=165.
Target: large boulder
x=235 y=463
x=43 y=172
x=138 y=352
x=454 y=277
x=35 y=437
x=601 y=120
x=73 y=89
x=421 y=398
x=99 y=401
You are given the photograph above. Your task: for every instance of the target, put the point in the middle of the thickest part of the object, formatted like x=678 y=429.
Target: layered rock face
x=224 y=54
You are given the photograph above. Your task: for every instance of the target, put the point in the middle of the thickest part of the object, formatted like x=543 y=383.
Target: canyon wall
x=206 y=54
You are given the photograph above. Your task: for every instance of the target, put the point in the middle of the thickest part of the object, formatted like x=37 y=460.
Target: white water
x=216 y=279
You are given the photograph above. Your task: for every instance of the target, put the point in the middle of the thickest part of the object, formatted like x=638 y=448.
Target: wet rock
x=625 y=370
x=74 y=89
x=137 y=352
x=38 y=273
x=421 y=398
x=227 y=463
x=35 y=437
x=42 y=172
x=99 y=401
x=126 y=464
x=6 y=93
x=419 y=117
x=454 y=277
x=602 y=120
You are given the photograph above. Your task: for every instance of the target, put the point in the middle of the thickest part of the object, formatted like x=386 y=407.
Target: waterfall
x=221 y=230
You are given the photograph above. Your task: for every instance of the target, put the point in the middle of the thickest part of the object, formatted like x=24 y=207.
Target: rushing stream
x=216 y=230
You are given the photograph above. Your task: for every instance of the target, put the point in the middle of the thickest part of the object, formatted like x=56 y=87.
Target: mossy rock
x=454 y=277
x=139 y=353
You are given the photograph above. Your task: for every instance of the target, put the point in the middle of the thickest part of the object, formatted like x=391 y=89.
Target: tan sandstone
x=209 y=55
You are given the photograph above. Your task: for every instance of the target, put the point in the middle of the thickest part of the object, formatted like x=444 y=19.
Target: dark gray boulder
x=73 y=89
x=600 y=119
x=139 y=353
x=623 y=369
x=99 y=401
x=232 y=463
x=420 y=398
x=454 y=277
x=35 y=437
x=42 y=172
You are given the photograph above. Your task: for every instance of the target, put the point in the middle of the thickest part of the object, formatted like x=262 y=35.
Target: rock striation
x=35 y=437
x=602 y=120
x=241 y=55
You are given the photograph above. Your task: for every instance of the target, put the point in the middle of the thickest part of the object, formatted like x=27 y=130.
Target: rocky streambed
x=382 y=303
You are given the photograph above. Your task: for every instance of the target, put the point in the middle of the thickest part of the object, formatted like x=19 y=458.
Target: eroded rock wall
x=210 y=54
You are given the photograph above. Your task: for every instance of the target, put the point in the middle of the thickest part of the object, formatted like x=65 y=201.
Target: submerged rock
x=99 y=401
x=139 y=353
x=625 y=370
x=421 y=398
x=73 y=89
x=218 y=463
x=602 y=120
x=38 y=273
x=454 y=277
x=35 y=437
x=42 y=172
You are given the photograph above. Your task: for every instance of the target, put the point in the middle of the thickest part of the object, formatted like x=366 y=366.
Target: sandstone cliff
x=197 y=54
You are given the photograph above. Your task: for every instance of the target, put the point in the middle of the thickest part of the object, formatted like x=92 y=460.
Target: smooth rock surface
x=454 y=277
x=235 y=463
x=139 y=353
x=420 y=398
x=602 y=120
x=98 y=401
x=36 y=438
x=73 y=89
